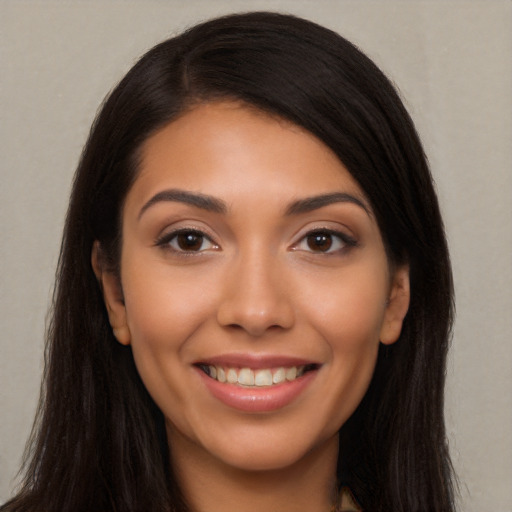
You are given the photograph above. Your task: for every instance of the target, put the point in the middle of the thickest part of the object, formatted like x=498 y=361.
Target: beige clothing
x=347 y=502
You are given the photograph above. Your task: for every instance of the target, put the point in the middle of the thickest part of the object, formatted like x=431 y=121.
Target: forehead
x=232 y=151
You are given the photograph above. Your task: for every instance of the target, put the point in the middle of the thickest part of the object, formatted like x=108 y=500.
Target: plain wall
x=452 y=62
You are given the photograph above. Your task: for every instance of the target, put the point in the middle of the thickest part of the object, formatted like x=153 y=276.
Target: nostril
x=255 y=307
x=254 y=329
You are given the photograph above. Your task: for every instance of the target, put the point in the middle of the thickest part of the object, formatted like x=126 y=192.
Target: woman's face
x=255 y=286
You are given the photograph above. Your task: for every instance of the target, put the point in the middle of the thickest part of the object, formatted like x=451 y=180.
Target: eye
x=187 y=241
x=325 y=241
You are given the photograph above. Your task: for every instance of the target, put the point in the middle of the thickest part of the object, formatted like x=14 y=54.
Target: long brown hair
x=99 y=442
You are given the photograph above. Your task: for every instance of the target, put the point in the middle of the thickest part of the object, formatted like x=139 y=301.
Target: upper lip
x=255 y=361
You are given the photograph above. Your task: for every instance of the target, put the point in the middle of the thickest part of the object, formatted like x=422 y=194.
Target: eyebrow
x=196 y=199
x=309 y=204
x=212 y=204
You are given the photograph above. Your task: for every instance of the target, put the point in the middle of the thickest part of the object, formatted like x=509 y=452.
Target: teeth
x=246 y=377
x=263 y=378
x=232 y=376
x=221 y=374
x=251 y=378
x=291 y=373
x=279 y=376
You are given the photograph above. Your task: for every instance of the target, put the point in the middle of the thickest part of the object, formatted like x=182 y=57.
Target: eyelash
x=166 y=241
x=334 y=237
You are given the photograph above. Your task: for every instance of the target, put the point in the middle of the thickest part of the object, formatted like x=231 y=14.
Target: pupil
x=320 y=242
x=190 y=241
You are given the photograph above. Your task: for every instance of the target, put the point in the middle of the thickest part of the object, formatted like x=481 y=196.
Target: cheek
x=163 y=310
x=349 y=318
x=350 y=314
x=165 y=306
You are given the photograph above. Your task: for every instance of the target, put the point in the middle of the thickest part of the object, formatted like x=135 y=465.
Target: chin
x=271 y=450
x=266 y=459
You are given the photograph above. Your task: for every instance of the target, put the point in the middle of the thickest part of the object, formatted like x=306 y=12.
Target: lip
x=253 y=399
x=255 y=361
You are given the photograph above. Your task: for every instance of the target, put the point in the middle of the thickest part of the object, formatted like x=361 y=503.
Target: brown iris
x=319 y=242
x=189 y=241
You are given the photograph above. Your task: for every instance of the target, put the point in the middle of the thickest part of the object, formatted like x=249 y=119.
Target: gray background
x=453 y=64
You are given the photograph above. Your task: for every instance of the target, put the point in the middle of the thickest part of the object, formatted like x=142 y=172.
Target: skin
x=257 y=283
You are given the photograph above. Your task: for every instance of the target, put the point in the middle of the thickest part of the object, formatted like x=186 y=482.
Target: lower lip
x=258 y=399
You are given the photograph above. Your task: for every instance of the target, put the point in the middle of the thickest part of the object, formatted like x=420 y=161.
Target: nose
x=255 y=297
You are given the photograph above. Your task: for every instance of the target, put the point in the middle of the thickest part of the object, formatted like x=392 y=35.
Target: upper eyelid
x=346 y=239
x=339 y=230
x=181 y=226
x=342 y=231
x=332 y=232
x=167 y=235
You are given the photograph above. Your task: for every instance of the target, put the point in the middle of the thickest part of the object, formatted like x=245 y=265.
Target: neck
x=210 y=485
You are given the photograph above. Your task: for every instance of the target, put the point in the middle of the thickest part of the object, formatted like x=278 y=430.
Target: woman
x=254 y=296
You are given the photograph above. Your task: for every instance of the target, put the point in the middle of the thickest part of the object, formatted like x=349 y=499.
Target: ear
x=112 y=295
x=396 y=306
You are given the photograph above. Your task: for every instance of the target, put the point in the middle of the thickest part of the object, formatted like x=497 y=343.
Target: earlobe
x=112 y=295
x=396 y=306
x=122 y=334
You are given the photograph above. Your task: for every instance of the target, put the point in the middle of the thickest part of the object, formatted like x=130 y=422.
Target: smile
x=262 y=377
x=257 y=383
